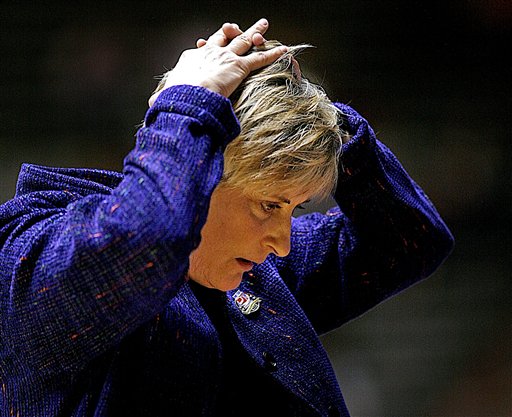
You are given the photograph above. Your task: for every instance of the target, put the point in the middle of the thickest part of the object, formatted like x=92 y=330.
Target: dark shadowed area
x=432 y=78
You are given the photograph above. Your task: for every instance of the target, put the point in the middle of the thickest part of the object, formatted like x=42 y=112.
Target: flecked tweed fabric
x=97 y=319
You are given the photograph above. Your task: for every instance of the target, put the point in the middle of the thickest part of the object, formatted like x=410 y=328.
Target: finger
x=242 y=43
x=258 y=39
x=219 y=38
x=231 y=30
x=227 y=32
x=261 y=59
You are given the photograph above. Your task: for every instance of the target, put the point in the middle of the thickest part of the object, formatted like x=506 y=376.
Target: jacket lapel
x=280 y=330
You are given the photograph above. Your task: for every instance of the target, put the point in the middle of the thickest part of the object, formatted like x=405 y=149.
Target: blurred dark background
x=432 y=77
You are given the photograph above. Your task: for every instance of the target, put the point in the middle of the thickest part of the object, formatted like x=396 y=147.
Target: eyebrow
x=287 y=201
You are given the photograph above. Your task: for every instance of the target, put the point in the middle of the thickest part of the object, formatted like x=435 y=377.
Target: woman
x=184 y=286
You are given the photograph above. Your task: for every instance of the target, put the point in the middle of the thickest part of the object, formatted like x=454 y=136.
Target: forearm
x=401 y=238
x=384 y=236
x=87 y=275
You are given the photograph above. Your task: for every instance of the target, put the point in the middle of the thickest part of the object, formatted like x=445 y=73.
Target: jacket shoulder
x=80 y=180
x=42 y=189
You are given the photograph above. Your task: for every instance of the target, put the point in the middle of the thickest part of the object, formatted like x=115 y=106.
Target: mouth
x=245 y=264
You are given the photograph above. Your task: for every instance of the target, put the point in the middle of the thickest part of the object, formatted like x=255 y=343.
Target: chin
x=228 y=285
x=217 y=278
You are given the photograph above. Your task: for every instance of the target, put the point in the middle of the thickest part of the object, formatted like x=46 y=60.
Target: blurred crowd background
x=432 y=77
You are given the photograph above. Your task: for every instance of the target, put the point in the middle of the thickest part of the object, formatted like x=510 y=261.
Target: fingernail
x=264 y=22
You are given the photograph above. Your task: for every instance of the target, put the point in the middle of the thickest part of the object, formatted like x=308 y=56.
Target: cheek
x=232 y=227
x=238 y=232
x=221 y=233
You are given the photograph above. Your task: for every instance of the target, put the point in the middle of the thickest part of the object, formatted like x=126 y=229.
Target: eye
x=268 y=207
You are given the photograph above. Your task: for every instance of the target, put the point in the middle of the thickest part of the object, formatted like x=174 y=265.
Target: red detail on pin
x=246 y=303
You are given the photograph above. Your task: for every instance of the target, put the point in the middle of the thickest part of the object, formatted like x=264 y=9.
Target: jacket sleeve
x=82 y=277
x=384 y=236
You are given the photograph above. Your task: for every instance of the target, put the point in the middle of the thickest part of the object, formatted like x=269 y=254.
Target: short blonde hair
x=290 y=135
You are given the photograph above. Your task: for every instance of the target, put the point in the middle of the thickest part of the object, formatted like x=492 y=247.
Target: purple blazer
x=93 y=295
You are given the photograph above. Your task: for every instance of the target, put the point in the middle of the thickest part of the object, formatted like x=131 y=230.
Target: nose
x=277 y=238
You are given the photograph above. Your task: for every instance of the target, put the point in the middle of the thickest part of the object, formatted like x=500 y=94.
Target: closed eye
x=268 y=207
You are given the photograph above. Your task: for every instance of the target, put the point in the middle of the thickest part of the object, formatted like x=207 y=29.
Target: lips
x=245 y=264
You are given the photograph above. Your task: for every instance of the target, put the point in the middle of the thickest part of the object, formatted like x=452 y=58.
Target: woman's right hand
x=219 y=63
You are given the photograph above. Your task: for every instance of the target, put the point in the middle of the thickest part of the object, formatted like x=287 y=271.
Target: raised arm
x=76 y=278
x=385 y=235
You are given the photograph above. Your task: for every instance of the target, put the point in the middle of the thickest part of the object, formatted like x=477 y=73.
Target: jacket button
x=333 y=411
x=270 y=362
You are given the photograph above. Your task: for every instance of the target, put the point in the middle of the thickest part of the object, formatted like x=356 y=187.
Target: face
x=242 y=230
